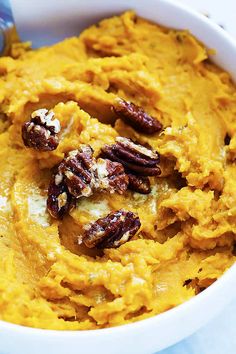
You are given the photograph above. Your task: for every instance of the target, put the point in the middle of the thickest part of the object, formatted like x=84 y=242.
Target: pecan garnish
x=113 y=230
x=41 y=132
x=76 y=170
x=83 y=174
x=59 y=201
x=139 y=184
x=136 y=117
x=80 y=175
x=110 y=176
x=134 y=157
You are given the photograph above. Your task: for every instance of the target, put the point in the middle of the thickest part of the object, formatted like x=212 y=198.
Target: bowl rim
x=173 y=313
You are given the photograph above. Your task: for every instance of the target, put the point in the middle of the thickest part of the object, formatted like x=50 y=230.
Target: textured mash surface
x=188 y=221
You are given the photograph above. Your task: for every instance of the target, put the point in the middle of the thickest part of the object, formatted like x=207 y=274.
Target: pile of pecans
x=80 y=175
x=125 y=164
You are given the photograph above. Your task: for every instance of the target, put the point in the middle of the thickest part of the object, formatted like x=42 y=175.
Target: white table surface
x=218 y=336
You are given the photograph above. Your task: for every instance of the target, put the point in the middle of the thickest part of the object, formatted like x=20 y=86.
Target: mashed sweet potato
x=186 y=240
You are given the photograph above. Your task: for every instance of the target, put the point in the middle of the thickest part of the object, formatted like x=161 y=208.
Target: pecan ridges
x=134 y=157
x=139 y=184
x=113 y=230
x=41 y=132
x=76 y=171
x=59 y=201
x=110 y=176
x=80 y=175
x=136 y=117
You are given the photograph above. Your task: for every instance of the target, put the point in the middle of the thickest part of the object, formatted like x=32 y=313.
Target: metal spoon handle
x=8 y=33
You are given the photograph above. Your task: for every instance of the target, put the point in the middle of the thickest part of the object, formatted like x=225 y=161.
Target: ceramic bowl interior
x=45 y=22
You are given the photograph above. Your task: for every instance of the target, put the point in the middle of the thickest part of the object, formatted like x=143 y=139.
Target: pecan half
x=111 y=176
x=59 y=201
x=41 y=131
x=134 y=157
x=76 y=170
x=113 y=230
x=136 y=117
x=139 y=184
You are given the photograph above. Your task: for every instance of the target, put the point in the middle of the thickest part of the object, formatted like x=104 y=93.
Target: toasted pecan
x=134 y=157
x=41 y=132
x=136 y=117
x=113 y=230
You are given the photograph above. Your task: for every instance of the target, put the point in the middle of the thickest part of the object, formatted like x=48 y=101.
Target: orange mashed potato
x=188 y=231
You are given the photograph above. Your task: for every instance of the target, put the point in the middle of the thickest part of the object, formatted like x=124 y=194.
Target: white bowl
x=159 y=332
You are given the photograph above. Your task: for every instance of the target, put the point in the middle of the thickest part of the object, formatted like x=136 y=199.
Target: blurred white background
x=51 y=19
